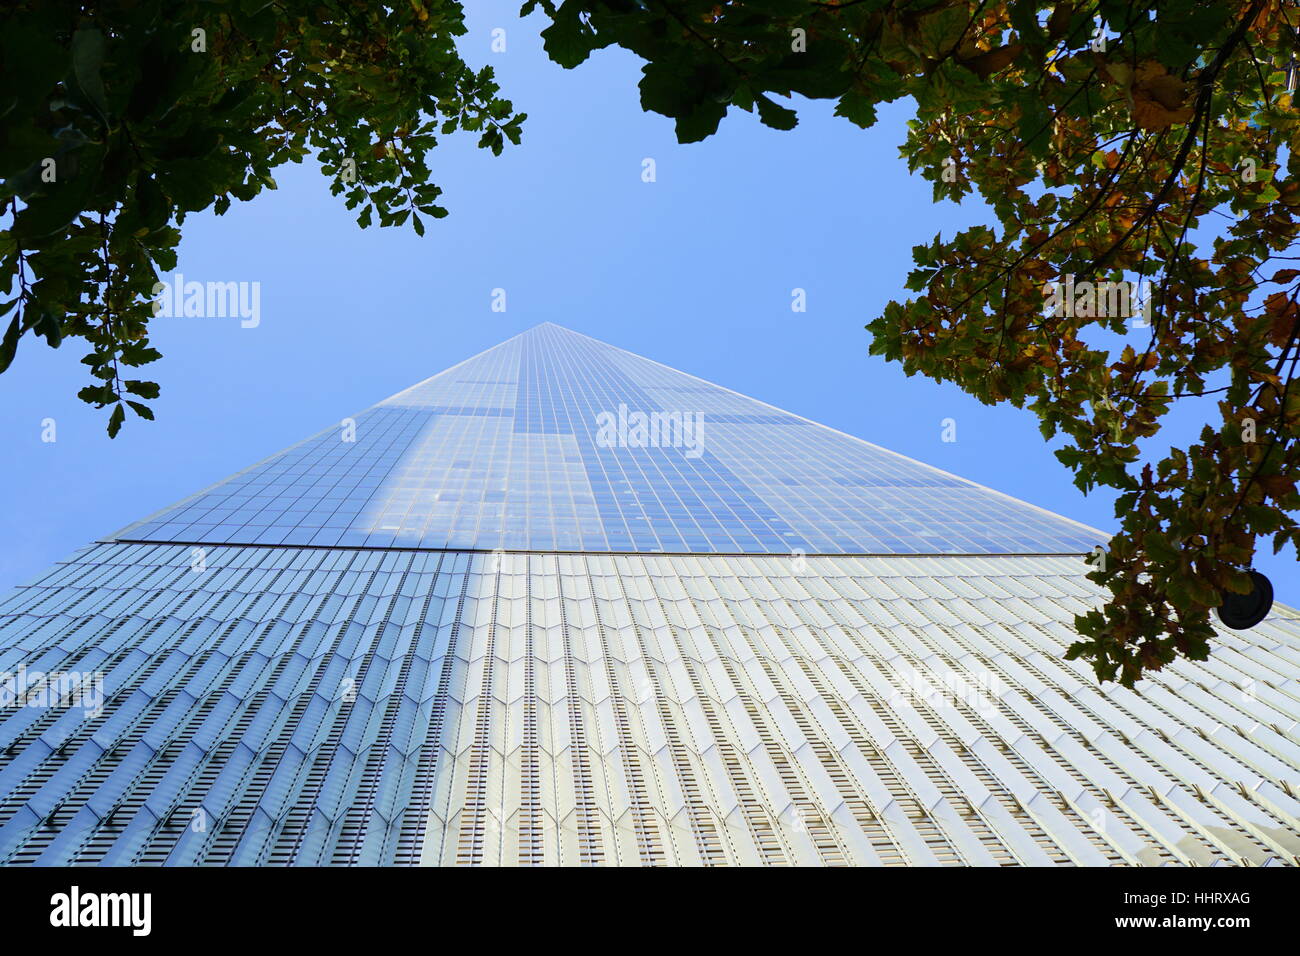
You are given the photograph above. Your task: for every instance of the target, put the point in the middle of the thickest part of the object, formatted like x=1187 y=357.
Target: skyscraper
x=560 y=604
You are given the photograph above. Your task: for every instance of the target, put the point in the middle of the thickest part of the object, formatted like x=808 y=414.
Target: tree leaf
x=775 y=115
x=115 y=420
x=88 y=47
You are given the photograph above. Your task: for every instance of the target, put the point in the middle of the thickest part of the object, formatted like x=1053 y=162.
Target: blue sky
x=694 y=270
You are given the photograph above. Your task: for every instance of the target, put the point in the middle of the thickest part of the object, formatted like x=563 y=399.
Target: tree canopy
x=119 y=119
x=1120 y=147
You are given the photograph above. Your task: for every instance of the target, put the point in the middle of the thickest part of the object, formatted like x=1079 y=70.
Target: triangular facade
x=553 y=441
x=561 y=604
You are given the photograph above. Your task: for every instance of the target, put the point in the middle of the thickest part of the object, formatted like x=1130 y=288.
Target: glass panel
x=555 y=441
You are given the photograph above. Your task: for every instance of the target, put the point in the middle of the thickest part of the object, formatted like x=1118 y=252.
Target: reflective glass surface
x=554 y=441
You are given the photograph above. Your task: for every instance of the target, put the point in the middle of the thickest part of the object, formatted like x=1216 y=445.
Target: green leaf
x=775 y=115
x=1160 y=549
x=153 y=206
x=143 y=389
x=47 y=325
x=567 y=40
x=87 y=62
x=136 y=353
x=1024 y=17
x=97 y=395
x=940 y=30
x=857 y=109
x=115 y=420
x=701 y=123
x=1035 y=123
x=9 y=345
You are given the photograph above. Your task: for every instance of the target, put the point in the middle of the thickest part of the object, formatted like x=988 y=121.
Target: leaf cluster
x=121 y=118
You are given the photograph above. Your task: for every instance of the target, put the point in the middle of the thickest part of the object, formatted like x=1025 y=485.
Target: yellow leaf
x=1159 y=100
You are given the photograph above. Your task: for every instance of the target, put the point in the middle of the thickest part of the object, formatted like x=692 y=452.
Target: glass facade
x=553 y=441
x=258 y=676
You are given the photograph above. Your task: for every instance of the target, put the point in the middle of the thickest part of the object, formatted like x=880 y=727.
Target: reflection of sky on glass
x=504 y=451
